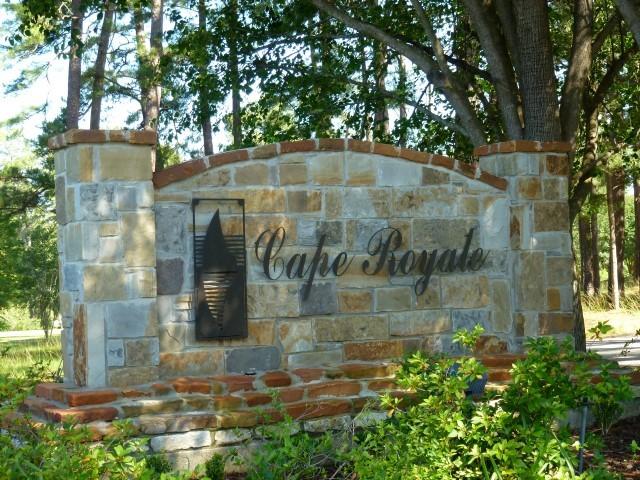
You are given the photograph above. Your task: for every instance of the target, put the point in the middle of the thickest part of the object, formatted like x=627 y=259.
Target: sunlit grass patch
x=17 y=356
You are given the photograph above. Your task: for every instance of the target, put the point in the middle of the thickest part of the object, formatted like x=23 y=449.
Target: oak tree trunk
x=636 y=208
x=155 y=54
x=537 y=81
x=74 y=80
x=205 y=111
x=143 y=72
x=595 y=251
x=381 y=114
x=613 y=254
x=618 y=179
x=101 y=59
x=234 y=71
x=586 y=254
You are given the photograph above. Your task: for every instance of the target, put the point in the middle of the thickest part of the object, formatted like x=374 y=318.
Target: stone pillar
x=106 y=248
x=537 y=175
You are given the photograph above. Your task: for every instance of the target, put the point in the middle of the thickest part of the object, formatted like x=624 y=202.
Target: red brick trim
x=529 y=146
x=75 y=136
x=185 y=170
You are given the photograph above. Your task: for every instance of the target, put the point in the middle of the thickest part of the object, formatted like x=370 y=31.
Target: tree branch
x=484 y=21
x=578 y=70
x=456 y=98
x=631 y=15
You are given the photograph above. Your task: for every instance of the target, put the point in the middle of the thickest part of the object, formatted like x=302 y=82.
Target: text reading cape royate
x=382 y=247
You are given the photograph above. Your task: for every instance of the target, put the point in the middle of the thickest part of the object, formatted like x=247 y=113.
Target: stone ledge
x=75 y=136
x=187 y=169
x=524 y=146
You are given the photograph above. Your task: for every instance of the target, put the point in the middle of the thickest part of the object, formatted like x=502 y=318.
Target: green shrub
x=214 y=467
x=444 y=434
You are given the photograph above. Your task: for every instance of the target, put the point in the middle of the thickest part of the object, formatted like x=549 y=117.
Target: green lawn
x=17 y=356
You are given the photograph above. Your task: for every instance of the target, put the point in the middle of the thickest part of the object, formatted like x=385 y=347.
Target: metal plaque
x=220 y=268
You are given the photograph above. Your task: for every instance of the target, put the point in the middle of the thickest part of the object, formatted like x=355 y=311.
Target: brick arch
x=193 y=167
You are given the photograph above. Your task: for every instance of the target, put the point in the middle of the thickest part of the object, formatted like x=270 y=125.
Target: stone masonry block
x=393 y=299
x=192 y=363
x=420 y=322
x=327 y=169
x=80 y=164
x=141 y=352
x=170 y=274
x=252 y=174
x=124 y=162
x=250 y=359
x=295 y=335
x=139 y=236
x=361 y=170
x=171 y=229
x=127 y=376
x=322 y=300
x=303 y=201
x=273 y=300
x=359 y=202
x=132 y=319
x=355 y=301
x=103 y=282
x=115 y=352
x=353 y=327
x=468 y=319
x=551 y=217
x=181 y=441
x=97 y=201
x=292 y=173
x=529 y=281
x=463 y=291
x=394 y=173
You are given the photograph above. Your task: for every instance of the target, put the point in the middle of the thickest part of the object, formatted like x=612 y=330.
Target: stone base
x=192 y=418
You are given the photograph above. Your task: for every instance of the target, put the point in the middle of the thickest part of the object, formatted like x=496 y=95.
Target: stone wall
x=106 y=247
x=121 y=235
x=348 y=190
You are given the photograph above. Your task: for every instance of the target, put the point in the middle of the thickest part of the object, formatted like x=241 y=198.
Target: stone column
x=537 y=174
x=106 y=248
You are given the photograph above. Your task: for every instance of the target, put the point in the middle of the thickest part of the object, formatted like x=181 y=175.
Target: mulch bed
x=617 y=449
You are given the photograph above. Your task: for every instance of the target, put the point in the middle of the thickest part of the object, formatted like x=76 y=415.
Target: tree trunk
x=578 y=70
x=613 y=254
x=402 y=87
x=101 y=60
x=143 y=64
x=636 y=208
x=234 y=71
x=631 y=13
x=595 y=251
x=586 y=254
x=537 y=82
x=205 y=111
x=618 y=179
x=579 y=333
x=155 y=54
x=381 y=114
x=74 y=80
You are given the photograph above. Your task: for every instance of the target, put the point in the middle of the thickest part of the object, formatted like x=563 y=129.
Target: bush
x=445 y=434
x=29 y=450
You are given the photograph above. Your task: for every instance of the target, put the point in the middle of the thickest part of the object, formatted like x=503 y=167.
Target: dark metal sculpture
x=220 y=274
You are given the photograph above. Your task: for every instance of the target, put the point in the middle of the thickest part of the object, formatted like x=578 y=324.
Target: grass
x=17 y=318
x=17 y=356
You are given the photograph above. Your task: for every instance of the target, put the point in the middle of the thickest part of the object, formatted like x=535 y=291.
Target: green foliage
x=214 y=467
x=293 y=455
x=443 y=434
x=30 y=450
x=602 y=328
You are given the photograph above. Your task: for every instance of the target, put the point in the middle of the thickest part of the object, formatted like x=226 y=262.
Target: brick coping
x=76 y=135
x=193 y=167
